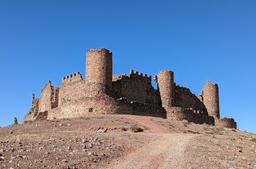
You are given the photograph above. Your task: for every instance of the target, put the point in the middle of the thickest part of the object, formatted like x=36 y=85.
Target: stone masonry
x=104 y=93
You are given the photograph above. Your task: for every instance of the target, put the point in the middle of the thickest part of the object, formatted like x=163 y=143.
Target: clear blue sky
x=198 y=40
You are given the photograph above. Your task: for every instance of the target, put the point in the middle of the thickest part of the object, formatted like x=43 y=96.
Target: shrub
x=135 y=128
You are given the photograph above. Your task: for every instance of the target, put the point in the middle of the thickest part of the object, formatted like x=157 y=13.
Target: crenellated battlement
x=140 y=75
x=72 y=78
x=101 y=51
x=134 y=75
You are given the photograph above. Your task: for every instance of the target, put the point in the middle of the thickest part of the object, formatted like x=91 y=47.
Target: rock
x=69 y=147
x=90 y=145
x=240 y=151
x=60 y=125
x=11 y=132
x=64 y=161
x=15 y=121
x=102 y=130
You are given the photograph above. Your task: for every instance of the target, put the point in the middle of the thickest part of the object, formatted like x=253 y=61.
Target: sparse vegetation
x=135 y=128
x=253 y=140
x=194 y=132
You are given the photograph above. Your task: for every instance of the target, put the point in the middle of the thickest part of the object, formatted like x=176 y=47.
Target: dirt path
x=167 y=150
x=145 y=121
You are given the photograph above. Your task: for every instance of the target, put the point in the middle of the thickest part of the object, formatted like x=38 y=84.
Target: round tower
x=99 y=71
x=165 y=80
x=211 y=99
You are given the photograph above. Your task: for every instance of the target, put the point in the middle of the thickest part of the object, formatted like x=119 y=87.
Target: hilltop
x=124 y=141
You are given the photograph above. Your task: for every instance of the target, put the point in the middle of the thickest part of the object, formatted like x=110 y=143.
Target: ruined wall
x=99 y=70
x=48 y=98
x=55 y=97
x=45 y=98
x=72 y=88
x=33 y=112
x=210 y=97
x=226 y=122
x=195 y=116
x=103 y=104
x=184 y=98
x=135 y=87
x=165 y=81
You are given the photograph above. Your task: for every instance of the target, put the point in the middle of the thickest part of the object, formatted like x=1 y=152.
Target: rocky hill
x=124 y=141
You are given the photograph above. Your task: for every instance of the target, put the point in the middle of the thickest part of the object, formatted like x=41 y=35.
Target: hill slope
x=124 y=141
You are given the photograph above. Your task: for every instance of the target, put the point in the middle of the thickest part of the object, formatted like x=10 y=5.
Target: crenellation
x=75 y=77
x=104 y=93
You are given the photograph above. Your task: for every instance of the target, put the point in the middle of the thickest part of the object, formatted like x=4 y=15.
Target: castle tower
x=99 y=71
x=165 y=80
x=210 y=96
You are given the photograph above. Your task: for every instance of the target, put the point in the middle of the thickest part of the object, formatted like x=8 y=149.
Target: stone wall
x=72 y=88
x=135 y=87
x=226 y=122
x=184 y=98
x=75 y=77
x=103 y=104
x=33 y=112
x=45 y=98
x=195 y=116
x=48 y=98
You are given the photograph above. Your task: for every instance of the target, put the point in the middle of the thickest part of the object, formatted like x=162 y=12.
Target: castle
x=104 y=93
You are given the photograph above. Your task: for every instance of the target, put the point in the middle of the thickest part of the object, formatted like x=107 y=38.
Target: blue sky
x=198 y=40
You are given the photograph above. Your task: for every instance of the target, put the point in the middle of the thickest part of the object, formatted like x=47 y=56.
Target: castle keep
x=104 y=93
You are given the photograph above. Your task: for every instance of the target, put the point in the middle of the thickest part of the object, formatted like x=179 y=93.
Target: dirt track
x=167 y=150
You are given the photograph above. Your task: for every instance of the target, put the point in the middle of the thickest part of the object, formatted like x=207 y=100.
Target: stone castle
x=104 y=93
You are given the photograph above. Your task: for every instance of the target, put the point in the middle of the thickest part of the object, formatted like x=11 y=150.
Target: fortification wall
x=135 y=87
x=48 y=98
x=210 y=97
x=45 y=98
x=99 y=69
x=195 y=116
x=226 y=122
x=103 y=104
x=184 y=98
x=73 y=87
x=31 y=115
x=75 y=77
x=54 y=97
